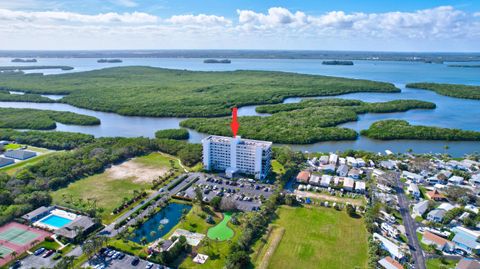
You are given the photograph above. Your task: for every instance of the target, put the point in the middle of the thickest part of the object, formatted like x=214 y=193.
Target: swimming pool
x=55 y=221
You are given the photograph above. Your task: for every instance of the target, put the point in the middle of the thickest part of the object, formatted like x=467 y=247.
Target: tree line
x=35 y=119
x=400 y=129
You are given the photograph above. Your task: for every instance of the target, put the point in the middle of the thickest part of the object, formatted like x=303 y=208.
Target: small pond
x=160 y=223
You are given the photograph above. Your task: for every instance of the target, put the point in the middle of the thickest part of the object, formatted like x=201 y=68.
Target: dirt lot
x=138 y=172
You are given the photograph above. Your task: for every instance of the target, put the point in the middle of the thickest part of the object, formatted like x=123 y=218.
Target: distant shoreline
x=253 y=54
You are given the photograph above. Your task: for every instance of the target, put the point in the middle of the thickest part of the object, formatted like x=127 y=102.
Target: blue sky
x=407 y=25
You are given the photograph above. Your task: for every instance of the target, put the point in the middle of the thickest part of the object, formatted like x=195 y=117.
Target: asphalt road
x=410 y=227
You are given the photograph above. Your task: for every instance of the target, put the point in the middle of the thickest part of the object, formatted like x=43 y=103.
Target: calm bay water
x=450 y=112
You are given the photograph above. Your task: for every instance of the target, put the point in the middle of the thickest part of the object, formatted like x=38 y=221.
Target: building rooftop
x=228 y=140
x=389 y=263
x=36 y=212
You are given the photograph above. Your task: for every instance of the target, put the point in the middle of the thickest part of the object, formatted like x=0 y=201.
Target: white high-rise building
x=237 y=155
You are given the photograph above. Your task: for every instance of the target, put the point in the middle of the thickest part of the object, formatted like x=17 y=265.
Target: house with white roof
x=323 y=159
x=436 y=215
x=456 y=180
x=446 y=206
x=420 y=208
x=352 y=161
x=416 y=178
x=342 y=160
x=475 y=180
x=392 y=248
x=390 y=165
x=325 y=181
x=333 y=159
x=413 y=190
x=314 y=180
x=360 y=186
x=360 y=162
x=354 y=173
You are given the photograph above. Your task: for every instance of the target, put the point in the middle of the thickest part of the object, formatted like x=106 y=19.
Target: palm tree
x=143 y=240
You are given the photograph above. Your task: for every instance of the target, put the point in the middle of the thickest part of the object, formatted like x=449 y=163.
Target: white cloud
x=440 y=28
x=276 y=16
x=201 y=19
x=125 y=3
x=70 y=17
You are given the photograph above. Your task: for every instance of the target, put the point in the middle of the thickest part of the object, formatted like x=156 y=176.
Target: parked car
x=38 y=251
x=16 y=265
x=135 y=261
x=48 y=253
x=149 y=265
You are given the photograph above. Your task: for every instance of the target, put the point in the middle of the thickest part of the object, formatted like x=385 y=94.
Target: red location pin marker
x=234 y=124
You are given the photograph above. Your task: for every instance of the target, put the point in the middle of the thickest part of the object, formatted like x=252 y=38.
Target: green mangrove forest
x=452 y=90
x=400 y=129
x=35 y=119
x=148 y=91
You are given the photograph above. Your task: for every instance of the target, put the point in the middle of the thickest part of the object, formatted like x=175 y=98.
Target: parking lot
x=245 y=192
x=33 y=261
x=117 y=260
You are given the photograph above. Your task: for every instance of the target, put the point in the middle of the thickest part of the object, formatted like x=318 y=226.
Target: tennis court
x=18 y=238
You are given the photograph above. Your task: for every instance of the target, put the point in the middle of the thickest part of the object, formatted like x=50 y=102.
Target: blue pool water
x=55 y=221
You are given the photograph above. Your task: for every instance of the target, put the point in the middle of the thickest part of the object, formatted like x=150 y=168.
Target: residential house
x=420 y=208
x=333 y=159
x=440 y=243
x=436 y=215
x=348 y=184
x=360 y=162
x=360 y=186
x=354 y=173
x=325 y=182
x=352 y=161
x=456 y=180
x=413 y=190
x=342 y=170
x=327 y=168
x=389 y=263
x=314 y=180
x=416 y=178
x=377 y=172
x=468 y=263
x=475 y=180
x=323 y=159
x=466 y=239
x=342 y=161
x=303 y=177
x=435 y=195
x=446 y=206
x=389 y=230
x=392 y=248
x=390 y=165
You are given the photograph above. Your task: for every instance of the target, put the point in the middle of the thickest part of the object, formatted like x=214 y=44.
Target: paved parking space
x=123 y=263
x=246 y=194
x=32 y=261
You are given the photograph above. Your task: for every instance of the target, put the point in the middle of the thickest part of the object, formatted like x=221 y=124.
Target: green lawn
x=319 y=238
x=217 y=250
x=437 y=264
x=277 y=167
x=221 y=231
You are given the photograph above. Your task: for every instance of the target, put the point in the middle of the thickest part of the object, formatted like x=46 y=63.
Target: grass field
x=438 y=264
x=319 y=238
x=109 y=192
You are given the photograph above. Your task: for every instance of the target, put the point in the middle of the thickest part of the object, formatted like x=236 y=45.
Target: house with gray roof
x=420 y=208
x=466 y=239
x=436 y=215
x=79 y=226
x=342 y=170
